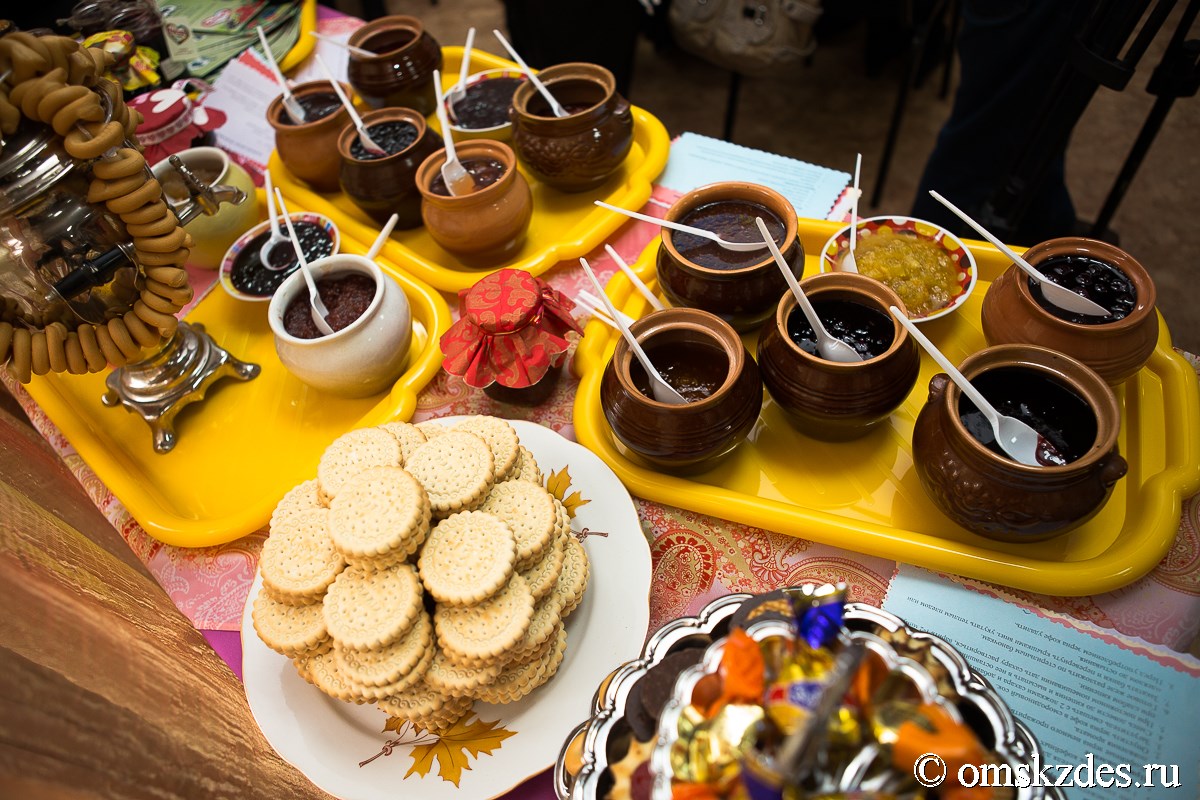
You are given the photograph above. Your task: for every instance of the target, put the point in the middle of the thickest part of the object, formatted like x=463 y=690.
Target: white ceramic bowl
x=502 y=132
x=837 y=245
x=364 y=358
x=226 y=272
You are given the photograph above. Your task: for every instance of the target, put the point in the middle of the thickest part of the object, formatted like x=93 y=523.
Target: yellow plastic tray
x=565 y=225
x=866 y=497
x=245 y=444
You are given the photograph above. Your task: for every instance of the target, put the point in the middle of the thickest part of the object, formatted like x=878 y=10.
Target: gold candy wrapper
x=709 y=750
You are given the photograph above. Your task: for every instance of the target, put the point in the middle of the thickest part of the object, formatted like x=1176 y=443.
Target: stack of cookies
x=426 y=567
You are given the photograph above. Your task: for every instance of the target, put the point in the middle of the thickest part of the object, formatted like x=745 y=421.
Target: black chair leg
x=735 y=87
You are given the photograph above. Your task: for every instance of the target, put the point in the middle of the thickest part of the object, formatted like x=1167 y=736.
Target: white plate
x=327 y=739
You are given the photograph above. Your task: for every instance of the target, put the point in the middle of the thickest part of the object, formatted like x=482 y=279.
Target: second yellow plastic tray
x=865 y=495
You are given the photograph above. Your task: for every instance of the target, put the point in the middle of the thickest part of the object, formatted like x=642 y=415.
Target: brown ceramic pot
x=383 y=186
x=487 y=226
x=691 y=437
x=744 y=297
x=1116 y=350
x=581 y=150
x=827 y=399
x=994 y=496
x=309 y=151
x=401 y=72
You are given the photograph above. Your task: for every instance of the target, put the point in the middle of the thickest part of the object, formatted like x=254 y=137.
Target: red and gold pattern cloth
x=512 y=330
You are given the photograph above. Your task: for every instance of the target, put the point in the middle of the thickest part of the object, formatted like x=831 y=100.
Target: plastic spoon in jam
x=663 y=392
x=277 y=236
x=1060 y=296
x=654 y=302
x=358 y=51
x=737 y=247
x=1014 y=437
x=290 y=104
x=830 y=347
x=849 y=264
x=458 y=180
x=558 y=110
x=459 y=90
x=381 y=239
x=364 y=138
x=319 y=311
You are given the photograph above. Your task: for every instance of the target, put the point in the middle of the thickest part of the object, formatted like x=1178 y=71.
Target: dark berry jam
x=573 y=95
x=694 y=369
x=346 y=297
x=1097 y=280
x=393 y=136
x=868 y=330
x=485 y=171
x=387 y=41
x=250 y=276
x=485 y=104
x=317 y=105
x=733 y=221
x=1066 y=425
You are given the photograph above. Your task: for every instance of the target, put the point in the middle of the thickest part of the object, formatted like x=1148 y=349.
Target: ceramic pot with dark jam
x=969 y=478
x=401 y=71
x=309 y=149
x=741 y=288
x=582 y=150
x=383 y=185
x=488 y=225
x=1117 y=345
x=484 y=110
x=705 y=360
x=832 y=400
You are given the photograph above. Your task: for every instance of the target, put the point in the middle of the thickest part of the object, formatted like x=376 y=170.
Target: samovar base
x=158 y=387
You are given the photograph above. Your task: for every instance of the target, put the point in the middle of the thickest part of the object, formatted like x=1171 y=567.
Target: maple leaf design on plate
x=558 y=483
x=454 y=749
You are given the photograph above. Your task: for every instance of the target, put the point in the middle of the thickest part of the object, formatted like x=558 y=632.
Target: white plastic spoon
x=1014 y=437
x=737 y=247
x=277 y=235
x=319 y=311
x=381 y=239
x=290 y=104
x=458 y=180
x=558 y=110
x=458 y=91
x=358 y=51
x=364 y=138
x=654 y=302
x=663 y=392
x=1060 y=296
x=595 y=306
x=849 y=264
x=830 y=347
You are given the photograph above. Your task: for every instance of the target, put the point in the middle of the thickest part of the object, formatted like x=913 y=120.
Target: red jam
x=485 y=171
x=732 y=220
x=693 y=369
x=347 y=297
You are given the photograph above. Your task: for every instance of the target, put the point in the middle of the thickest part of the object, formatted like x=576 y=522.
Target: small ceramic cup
x=1116 y=350
x=482 y=94
x=831 y=400
x=213 y=235
x=383 y=186
x=693 y=347
x=746 y=295
x=401 y=71
x=309 y=150
x=582 y=150
x=991 y=494
x=486 y=226
x=364 y=358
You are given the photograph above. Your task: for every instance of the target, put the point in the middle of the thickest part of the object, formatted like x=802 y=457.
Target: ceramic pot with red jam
x=972 y=481
x=401 y=71
x=372 y=322
x=704 y=359
x=383 y=185
x=831 y=400
x=742 y=288
x=488 y=225
x=584 y=149
x=1117 y=345
x=309 y=149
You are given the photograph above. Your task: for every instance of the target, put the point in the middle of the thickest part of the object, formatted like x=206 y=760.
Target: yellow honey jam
x=919 y=270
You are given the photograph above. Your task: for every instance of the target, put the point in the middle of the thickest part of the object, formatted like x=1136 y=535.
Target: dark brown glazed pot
x=1116 y=350
x=827 y=399
x=309 y=151
x=486 y=226
x=691 y=437
x=388 y=185
x=996 y=497
x=401 y=72
x=743 y=297
x=579 y=151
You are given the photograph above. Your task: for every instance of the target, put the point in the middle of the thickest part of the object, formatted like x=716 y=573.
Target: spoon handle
x=337 y=88
x=466 y=59
x=262 y=37
x=793 y=284
x=382 y=238
x=443 y=120
x=358 y=51
x=986 y=234
x=854 y=205
x=654 y=302
x=964 y=385
x=675 y=226
x=558 y=110
x=271 y=215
